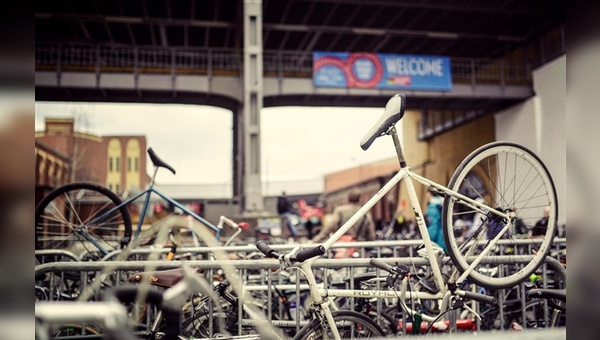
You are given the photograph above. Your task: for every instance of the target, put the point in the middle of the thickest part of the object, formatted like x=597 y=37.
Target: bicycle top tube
x=187 y=211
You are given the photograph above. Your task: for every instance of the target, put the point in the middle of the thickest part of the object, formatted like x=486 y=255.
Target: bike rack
x=360 y=246
x=265 y=268
x=44 y=255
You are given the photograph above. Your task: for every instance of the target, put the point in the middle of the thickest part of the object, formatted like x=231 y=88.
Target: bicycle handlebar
x=300 y=257
x=381 y=265
x=310 y=253
x=468 y=295
x=265 y=249
x=490 y=300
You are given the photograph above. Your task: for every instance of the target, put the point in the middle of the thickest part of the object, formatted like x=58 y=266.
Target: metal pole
x=253 y=102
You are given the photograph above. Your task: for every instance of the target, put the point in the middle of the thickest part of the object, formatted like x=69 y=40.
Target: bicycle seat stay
x=159 y=162
x=393 y=112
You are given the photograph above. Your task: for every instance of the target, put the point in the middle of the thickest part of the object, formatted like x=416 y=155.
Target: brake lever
x=399 y=273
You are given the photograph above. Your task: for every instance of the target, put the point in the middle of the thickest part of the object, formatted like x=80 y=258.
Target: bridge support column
x=238 y=154
x=253 y=102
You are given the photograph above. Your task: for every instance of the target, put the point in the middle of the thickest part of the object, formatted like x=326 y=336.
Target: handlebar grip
x=265 y=249
x=310 y=253
x=381 y=265
x=490 y=300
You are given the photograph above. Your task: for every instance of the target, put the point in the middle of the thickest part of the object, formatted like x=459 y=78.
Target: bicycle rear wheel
x=509 y=178
x=73 y=210
x=350 y=325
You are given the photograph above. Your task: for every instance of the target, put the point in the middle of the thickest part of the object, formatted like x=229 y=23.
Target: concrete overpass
x=208 y=53
x=70 y=72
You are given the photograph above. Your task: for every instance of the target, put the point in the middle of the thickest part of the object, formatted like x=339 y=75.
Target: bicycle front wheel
x=511 y=179
x=350 y=325
x=76 y=217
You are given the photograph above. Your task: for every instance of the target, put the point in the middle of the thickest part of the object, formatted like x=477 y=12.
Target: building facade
x=117 y=162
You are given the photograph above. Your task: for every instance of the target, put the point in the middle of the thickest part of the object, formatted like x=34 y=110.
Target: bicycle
x=53 y=317
x=91 y=213
x=501 y=203
x=557 y=299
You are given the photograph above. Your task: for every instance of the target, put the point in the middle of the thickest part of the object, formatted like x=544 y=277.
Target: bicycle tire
x=499 y=158
x=62 y=209
x=198 y=325
x=389 y=324
x=313 y=329
x=68 y=329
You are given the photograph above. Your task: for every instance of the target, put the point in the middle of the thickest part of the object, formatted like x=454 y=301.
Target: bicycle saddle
x=559 y=294
x=393 y=112
x=159 y=162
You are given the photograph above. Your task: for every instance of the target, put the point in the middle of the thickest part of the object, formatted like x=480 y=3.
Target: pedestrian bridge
x=68 y=72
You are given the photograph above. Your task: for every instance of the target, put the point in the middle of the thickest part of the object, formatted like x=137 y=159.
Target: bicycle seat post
x=398 y=146
x=154 y=176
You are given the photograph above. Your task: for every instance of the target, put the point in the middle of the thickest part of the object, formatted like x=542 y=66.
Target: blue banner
x=381 y=71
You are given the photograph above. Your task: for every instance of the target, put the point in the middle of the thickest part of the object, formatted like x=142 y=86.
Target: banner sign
x=381 y=71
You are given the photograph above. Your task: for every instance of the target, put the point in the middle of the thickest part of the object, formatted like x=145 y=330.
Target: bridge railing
x=90 y=58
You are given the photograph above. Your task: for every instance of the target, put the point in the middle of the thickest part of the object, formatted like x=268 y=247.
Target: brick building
x=117 y=162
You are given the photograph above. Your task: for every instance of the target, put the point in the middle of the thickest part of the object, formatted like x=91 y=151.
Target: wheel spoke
x=523 y=188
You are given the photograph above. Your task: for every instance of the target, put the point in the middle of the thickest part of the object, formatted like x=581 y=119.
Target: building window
x=110 y=187
x=117 y=188
x=136 y=164
x=128 y=164
x=117 y=164
x=110 y=164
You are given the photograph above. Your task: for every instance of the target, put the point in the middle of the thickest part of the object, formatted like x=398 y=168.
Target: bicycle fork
x=323 y=311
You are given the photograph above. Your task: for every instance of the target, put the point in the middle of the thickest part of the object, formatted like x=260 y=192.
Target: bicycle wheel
x=387 y=323
x=74 y=216
x=509 y=178
x=199 y=325
x=350 y=325
x=76 y=329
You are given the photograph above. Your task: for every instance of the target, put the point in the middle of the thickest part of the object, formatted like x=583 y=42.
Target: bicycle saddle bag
x=160 y=278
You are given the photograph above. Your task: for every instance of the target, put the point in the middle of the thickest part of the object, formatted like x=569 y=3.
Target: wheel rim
x=57 y=225
x=510 y=179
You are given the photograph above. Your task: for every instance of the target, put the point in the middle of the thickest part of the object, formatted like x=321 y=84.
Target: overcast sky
x=298 y=143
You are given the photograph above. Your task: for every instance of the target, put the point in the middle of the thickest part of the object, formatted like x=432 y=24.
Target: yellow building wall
x=133 y=164
x=437 y=158
x=113 y=173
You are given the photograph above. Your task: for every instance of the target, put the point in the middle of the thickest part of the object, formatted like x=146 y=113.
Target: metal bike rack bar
x=249 y=264
x=338 y=245
x=44 y=253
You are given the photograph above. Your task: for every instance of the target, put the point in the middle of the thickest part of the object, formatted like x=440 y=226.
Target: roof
x=457 y=28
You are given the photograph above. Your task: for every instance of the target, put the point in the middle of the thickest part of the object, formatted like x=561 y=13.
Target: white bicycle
x=503 y=183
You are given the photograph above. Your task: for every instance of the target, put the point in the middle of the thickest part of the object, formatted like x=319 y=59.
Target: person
x=433 y=219
x=519 y=227
x=400 y=224
x=284 y=210
x=478 y=219
x=362 y=230
x=542 y=225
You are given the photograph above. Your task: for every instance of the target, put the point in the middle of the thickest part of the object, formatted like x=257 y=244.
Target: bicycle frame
x=148 y=192
x=406 y=175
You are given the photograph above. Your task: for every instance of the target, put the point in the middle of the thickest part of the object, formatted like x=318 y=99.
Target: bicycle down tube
x=401 y=175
